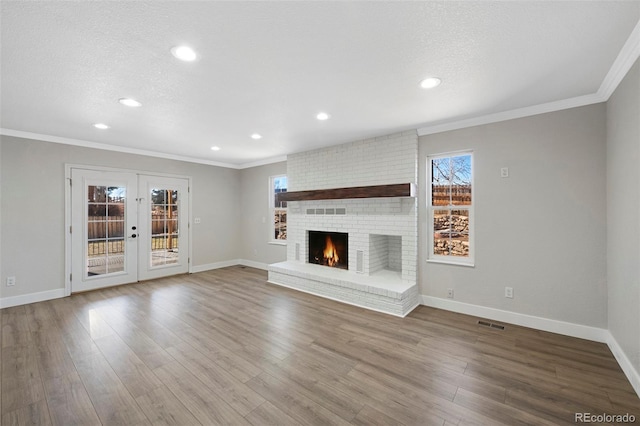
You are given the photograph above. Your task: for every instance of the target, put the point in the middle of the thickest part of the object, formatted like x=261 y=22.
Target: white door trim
x=145 y=183
x=126 y=269
x=67 y=207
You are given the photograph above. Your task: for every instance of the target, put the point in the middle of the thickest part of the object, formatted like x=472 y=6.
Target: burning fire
x=330 y=252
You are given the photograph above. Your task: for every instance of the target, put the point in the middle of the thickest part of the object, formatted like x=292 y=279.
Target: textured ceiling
x=270 y=67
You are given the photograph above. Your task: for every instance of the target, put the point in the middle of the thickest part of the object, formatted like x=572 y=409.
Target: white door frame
x=145 y=184
x=67 y=214
x=83 y=280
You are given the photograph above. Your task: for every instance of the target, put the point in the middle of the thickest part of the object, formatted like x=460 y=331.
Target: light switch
x=504 y=172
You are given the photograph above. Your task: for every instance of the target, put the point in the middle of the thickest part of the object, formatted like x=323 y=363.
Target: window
x=277 y=185
x=450 y=206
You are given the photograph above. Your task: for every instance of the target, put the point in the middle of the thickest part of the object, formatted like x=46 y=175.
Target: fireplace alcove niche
x=329 y=249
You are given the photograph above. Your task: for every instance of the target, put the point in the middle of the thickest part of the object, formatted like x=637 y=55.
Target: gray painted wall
x=542 y=229
x=623 y=214
x=255 y=216
x=32 y=208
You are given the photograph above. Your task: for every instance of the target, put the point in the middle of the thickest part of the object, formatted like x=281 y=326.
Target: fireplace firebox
x=329 y=249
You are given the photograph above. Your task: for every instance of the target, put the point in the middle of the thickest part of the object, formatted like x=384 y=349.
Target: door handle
x=134 y=235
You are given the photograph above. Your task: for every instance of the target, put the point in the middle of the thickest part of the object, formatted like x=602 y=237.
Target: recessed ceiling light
x=215 y=148
x=129 y=102
x=256 y=136
x=101 y=126
x=430 y=82
x=184 y=53
x=323 y=116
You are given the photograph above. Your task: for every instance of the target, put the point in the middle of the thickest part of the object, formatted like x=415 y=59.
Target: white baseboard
x=539 y=323
x=253 y=264
x=554 y=326
x=8 y=302
x=216 y=265
x=626 y=365
x=545 y=324
x=226 y=263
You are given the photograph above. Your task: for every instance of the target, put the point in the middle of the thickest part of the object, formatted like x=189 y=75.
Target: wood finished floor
x=225 y=347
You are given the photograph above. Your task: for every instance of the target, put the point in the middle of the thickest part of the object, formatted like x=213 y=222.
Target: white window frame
x=272 y=210
x=452 y=260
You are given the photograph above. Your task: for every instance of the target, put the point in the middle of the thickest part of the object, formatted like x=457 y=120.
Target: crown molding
x=628 y=55
x=266 y=161
x=578 y=101
x=106 y=147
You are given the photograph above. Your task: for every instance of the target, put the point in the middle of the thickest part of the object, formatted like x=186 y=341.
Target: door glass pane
x=164 y=227
x=115 y=254
x=97 y=194
x=105 y=229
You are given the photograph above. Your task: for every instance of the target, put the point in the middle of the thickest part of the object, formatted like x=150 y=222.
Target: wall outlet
x=508 y=292
x=450 y=293
x=11 y=281
x=504 y=172
x=196 y=220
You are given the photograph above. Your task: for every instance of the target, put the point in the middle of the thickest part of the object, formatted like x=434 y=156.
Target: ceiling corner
x=628 y=55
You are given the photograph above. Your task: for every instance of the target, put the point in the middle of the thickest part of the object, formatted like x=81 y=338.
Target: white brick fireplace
x=382 y=232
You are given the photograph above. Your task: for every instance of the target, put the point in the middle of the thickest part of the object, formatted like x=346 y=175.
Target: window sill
x=277 y=242
x=449 y=262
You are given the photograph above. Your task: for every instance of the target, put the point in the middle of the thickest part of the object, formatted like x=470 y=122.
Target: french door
x=126 y=227
x=163 y=223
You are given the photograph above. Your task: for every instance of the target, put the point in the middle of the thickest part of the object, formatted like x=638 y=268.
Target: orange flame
x=330 y=252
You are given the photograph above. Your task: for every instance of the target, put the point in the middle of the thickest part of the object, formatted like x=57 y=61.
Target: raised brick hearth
x=384 y=291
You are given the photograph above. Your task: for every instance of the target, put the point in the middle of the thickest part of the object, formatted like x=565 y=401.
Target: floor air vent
x=491 y=325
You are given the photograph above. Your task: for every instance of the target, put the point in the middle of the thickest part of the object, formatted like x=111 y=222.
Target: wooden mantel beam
x=375 y=191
